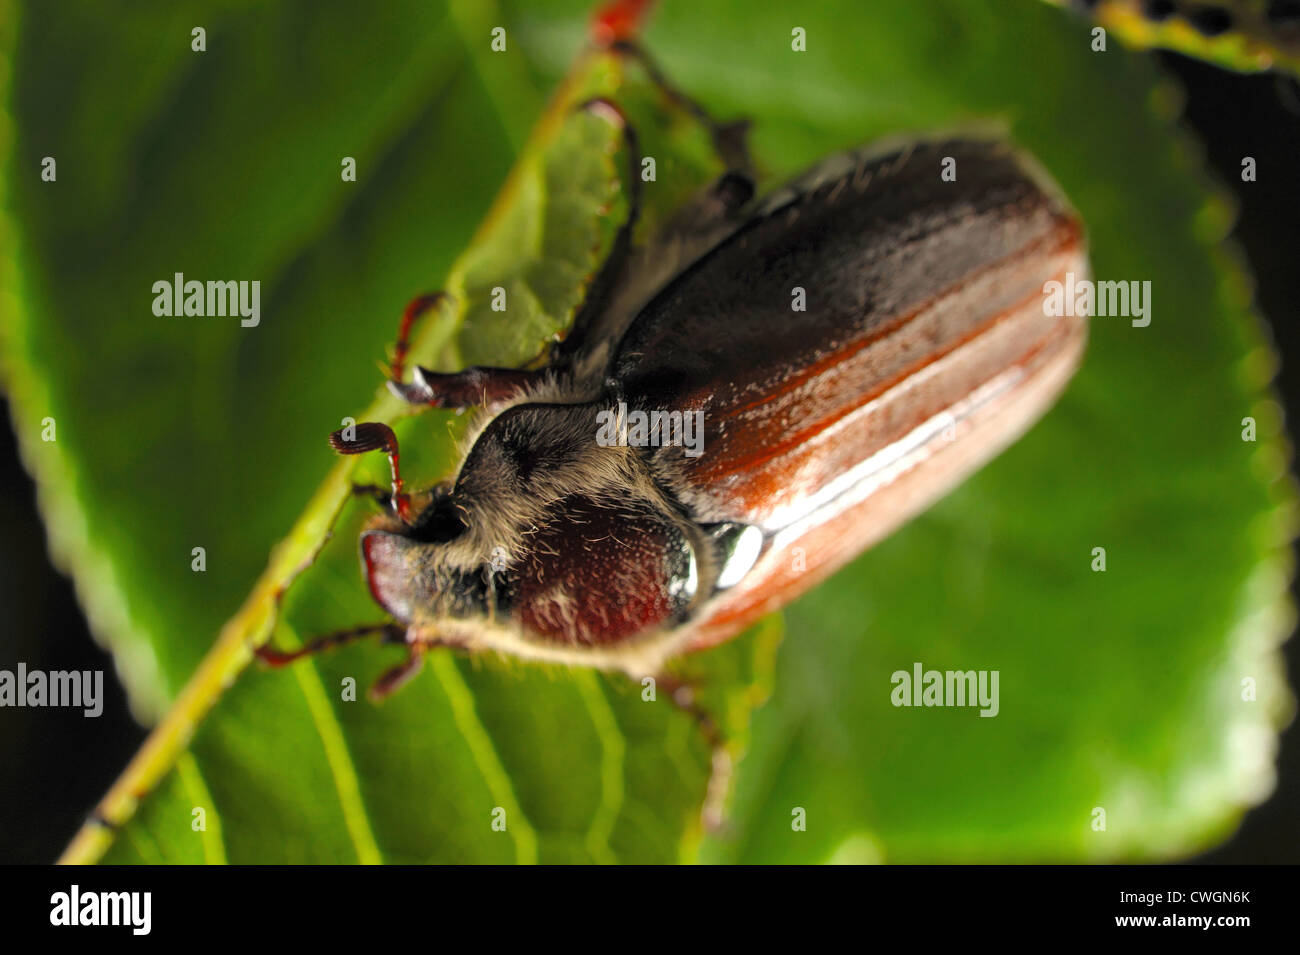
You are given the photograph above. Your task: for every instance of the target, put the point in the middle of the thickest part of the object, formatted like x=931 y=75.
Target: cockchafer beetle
x=922 y=351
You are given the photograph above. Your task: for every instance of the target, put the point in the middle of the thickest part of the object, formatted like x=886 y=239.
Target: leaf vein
x=211 y=838
x=613 y=753
x=484 y=754
x=346 y=784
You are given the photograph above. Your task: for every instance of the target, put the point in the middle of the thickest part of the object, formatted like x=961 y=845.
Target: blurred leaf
x=1118 y=690
x=1244 y=35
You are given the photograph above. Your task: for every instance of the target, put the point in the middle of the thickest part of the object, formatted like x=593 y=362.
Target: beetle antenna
x=375 y=436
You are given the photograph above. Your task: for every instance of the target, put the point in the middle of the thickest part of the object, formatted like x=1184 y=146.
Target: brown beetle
x=923 y=349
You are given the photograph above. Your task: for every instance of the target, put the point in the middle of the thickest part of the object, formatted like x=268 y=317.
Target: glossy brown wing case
x=923 y=351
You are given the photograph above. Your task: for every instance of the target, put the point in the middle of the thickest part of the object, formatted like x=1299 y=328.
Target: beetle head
x=419 y=570
x=559 y=541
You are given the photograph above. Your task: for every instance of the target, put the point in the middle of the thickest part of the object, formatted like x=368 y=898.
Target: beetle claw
x=421 y=390
x=398 y=676
x=416 y=393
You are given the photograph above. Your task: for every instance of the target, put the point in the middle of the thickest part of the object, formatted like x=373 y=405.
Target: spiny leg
x=479 y=386
x=610 y=111
x=484 y=386
x=375 y=436
x=735 y=187
x=632 y=275
x=392 y=633
x=476 y=386
x=389 y=682
x=730 y=140
x=469 y=388
x=380 y=495
x=682 y=695
x=397 y=677
x=587 y=326
x=414 y=311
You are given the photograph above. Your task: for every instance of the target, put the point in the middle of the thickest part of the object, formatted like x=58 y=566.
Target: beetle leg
x=393 y=633
x=630 y=276
x=463 y=389
x=381 y=496
x=394 y=679
x=593 y=321
x=374 y=436
x=415 y=309
x=730 y=140
x=472 y=387
x=480 y=386
x=735 y=187
x=484 y=386
x=586 y=329
x=682 y=695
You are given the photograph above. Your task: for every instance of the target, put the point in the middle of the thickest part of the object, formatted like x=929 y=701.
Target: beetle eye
x=438 y=523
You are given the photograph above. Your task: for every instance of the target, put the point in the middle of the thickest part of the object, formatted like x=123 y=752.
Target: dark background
x=53 y=773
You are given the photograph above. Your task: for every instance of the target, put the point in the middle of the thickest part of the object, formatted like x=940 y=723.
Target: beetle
x=922 y=349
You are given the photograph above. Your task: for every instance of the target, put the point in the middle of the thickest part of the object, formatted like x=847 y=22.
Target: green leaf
x=1119 y=690
x=1234 y=34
